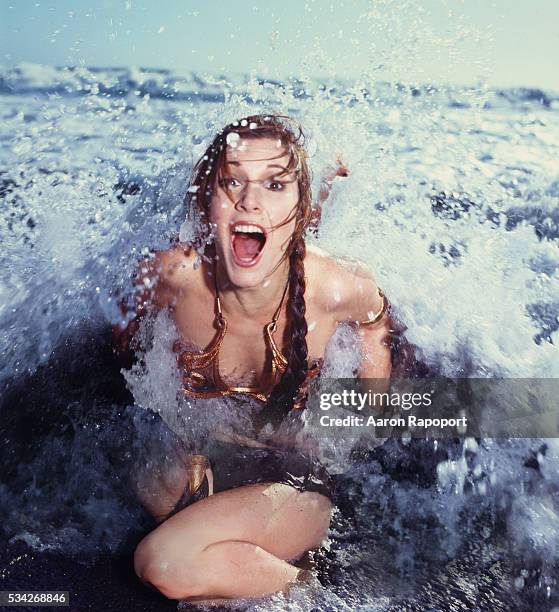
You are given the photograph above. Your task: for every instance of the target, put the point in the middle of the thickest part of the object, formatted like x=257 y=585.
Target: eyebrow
x=236 y=163
x=284 y=170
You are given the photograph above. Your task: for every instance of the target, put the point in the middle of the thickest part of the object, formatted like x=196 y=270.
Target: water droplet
x=233 y=140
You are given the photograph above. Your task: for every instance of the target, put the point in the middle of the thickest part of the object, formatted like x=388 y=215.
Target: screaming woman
x=234 y=521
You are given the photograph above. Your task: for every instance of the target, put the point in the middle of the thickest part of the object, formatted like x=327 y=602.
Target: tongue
x=246 y=247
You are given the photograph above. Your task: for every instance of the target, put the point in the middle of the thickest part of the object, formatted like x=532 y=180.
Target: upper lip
x=247 y=222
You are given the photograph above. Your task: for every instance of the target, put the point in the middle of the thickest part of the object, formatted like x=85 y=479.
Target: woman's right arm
x=159 y=480
x=160 y=486
x=151 y=293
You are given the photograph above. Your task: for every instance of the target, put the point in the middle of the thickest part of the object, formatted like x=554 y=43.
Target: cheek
x=287 y=210
x=285 y=206
x=220 y=209
x=284 y=233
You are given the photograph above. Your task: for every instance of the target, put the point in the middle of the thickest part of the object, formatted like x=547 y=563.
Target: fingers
x=341 y=169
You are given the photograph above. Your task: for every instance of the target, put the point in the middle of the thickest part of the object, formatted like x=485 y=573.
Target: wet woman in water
x=236 y=518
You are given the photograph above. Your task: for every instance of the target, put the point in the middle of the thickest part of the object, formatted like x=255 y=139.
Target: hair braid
x=285 y=392
x=297 y=368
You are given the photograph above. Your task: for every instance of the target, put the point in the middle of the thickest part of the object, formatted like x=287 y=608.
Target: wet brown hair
x=206 y=174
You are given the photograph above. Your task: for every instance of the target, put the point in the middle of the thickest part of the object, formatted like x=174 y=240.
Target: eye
x=229 y=182
x=275 y=186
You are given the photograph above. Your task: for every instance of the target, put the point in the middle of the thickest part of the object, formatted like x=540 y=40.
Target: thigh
x=274 y=516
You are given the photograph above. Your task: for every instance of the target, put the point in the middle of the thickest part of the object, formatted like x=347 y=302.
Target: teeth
x=249 y=229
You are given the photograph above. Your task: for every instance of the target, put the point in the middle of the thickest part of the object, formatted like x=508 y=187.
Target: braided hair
x=285 y=392
x=199 y=196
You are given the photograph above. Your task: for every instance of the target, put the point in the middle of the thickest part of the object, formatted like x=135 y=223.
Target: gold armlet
x=198 y=466
x=378 y=316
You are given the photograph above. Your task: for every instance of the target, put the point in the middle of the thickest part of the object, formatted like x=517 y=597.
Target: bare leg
x=238 y=570
x=235 y=543
x=233 y=567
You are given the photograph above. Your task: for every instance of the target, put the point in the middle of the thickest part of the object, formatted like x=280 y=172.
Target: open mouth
x=247 y=243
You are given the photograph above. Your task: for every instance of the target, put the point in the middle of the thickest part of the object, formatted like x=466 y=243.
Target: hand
x=340 y=168
x=335 y=170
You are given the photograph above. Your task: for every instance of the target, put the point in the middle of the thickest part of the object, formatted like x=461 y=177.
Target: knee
x=159 y=568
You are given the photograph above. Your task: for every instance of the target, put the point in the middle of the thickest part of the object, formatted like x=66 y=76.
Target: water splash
x=452 y=201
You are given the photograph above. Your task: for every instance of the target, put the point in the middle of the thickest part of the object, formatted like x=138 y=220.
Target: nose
x=249 y=200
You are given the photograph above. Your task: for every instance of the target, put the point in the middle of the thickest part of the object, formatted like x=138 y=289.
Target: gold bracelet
x=379 y=314
x=196 y=472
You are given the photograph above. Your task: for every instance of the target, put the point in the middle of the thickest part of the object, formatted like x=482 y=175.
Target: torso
x=244 y=358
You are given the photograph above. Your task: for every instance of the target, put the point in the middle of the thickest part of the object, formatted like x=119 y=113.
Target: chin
x=246 y=281
x=247 y=277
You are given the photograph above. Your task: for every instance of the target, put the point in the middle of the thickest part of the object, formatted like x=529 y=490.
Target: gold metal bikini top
x=201 y=377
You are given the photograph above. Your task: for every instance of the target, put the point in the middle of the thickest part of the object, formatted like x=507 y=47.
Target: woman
x=251 y=192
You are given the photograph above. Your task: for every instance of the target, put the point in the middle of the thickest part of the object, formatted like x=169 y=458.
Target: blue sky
x=505 y=42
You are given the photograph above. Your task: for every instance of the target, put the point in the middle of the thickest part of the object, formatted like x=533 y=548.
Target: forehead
x=255 y=152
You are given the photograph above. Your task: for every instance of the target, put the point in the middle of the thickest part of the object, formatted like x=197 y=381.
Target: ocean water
x=452 y=200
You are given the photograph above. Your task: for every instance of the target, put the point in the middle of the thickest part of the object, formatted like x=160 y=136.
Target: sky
x=498 y=42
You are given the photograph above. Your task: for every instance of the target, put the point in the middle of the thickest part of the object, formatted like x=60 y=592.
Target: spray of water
x=452 y=202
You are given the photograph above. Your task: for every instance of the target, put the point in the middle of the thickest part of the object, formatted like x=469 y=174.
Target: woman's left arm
x=375 y=336
x=338 y=169
x=366 y=307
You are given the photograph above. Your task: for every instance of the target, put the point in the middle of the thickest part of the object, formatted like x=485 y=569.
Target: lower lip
x=246 y=264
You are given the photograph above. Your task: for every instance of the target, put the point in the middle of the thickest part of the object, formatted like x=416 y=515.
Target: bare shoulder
x=176 y=266
x=163 y=275
x=342 y=285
